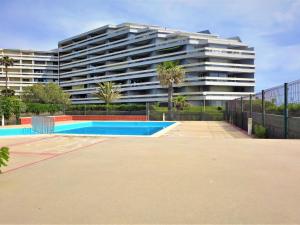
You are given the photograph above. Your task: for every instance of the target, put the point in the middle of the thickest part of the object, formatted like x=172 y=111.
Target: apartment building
x=30 y=67
x=217 y=69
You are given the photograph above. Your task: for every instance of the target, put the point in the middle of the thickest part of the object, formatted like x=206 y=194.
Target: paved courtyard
x=199 y=172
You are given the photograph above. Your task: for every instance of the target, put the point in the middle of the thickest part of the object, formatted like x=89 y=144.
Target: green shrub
x=38 y=108
x=18 y=108
x=8 y=92
x=50 y=93
x=260 y=131
x=180 y=102
x=4 y=156
x=294 y=107
x=130 y=107
x=111 y=107
x=11 y=106
x=6 y=107
x=53 y=108
x=75 y=107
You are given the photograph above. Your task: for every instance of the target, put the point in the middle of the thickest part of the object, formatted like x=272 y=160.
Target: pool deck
x=198 y=172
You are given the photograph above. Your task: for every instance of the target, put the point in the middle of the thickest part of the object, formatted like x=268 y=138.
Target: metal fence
x=158 y=116
x=277 y=109
x=186 y=116
x=43 y=124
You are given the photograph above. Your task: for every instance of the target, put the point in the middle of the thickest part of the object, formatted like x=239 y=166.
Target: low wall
x=27 y=120
x=111 y=117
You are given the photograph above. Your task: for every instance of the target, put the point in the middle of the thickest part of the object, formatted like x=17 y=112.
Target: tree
x=4 y=157
x=180 y=102
x=47 y=94
x=6 y=107
x=6 y=62
x=8 y=92
x=34 y=94
x=11 y=105
x=108 y=92
x=17 y=107
x=56 y=95
x=170 y=74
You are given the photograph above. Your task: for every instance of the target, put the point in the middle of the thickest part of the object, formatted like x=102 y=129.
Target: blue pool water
x=97 y=128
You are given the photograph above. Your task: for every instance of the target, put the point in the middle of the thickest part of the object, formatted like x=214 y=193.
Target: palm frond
x=7 y=61
x=4 y=156
x=170 y=73
x=108 y=92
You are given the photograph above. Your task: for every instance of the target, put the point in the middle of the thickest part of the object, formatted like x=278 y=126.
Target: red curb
x=27 y=120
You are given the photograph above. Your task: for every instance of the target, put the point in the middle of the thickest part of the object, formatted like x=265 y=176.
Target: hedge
x=38 y=108
x=101 y=107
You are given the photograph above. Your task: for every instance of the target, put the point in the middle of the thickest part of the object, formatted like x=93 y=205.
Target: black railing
x=186 y=116
x=277 y=109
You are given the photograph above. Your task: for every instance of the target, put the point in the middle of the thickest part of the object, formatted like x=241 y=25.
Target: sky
x=272 y=27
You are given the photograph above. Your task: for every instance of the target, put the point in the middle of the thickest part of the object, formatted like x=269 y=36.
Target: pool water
x=15 y=131
x=97 y=128
x=113 y=130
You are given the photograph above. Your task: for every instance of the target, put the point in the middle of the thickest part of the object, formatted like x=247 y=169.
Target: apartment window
x=38 y=71
x=27 y=61
x=40 y=62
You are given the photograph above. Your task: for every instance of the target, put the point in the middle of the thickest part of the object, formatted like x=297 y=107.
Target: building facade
x=217 y=69
x=30 y=67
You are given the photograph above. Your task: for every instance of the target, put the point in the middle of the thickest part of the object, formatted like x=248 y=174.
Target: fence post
x=236 y=114
x=286 y=113
x=2 y=120
x=147 y=110
x=250 y=119
x=242 y=116
x=263 y=113
x=226 y=113
x=250 y=103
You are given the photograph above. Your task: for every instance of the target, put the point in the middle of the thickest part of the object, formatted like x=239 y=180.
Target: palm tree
x=170 y=74
x=108 y=92
x=6 y=62
x=180 y=102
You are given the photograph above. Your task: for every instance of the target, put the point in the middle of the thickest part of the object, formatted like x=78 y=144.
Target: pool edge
x=156 y=134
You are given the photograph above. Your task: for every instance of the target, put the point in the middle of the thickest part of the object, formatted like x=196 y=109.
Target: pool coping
x=156 y=134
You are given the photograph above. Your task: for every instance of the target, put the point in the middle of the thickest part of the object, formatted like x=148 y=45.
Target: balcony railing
x=137 y=62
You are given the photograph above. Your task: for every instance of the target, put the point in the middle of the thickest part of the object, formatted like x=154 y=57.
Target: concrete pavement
x=199 y=172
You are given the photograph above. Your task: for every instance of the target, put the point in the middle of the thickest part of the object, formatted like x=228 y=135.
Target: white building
x=30 y=67
x=217 y=69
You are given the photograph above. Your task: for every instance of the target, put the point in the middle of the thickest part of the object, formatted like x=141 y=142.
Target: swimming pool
x=97 y=128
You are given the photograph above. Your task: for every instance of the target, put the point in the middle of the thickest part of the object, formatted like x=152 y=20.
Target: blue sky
x=271 y=26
